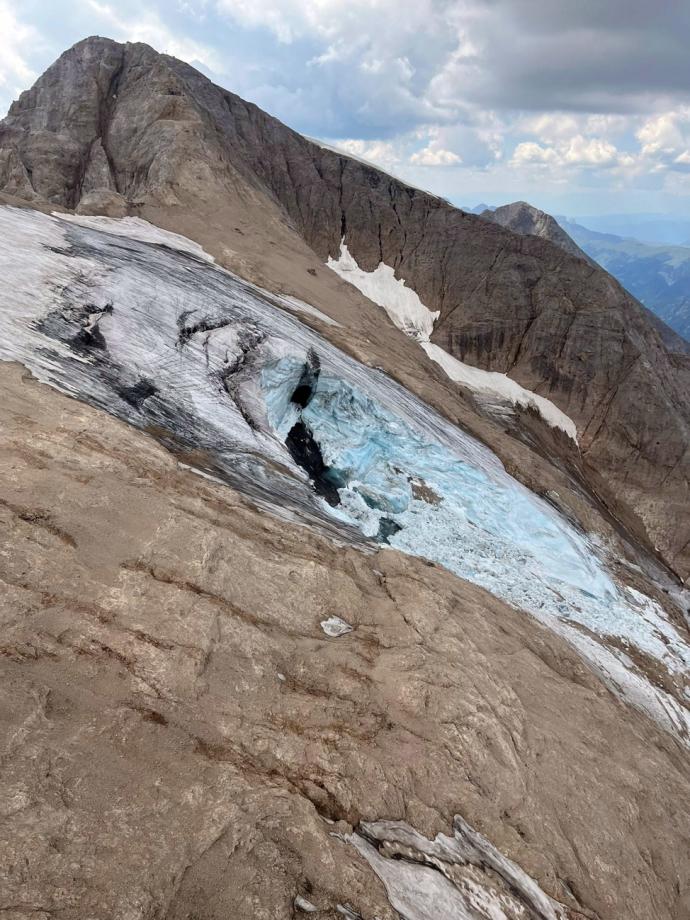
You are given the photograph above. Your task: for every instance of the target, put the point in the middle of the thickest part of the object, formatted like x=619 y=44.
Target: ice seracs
x=221 y=371
x=409 y=314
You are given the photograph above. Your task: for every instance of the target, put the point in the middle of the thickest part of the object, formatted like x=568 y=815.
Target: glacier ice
x=157 y=335
x=486 y=527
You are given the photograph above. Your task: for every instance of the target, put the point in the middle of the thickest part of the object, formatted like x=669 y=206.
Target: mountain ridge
x=524 y=218
x=658 y=275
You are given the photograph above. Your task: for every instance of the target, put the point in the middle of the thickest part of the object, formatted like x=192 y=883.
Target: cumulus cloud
x=515 y=89
x=664 y=142
x=15 y=36
x=554 y=88
x=576 y=151
x=435 y=156
x=147 y=26
x=664 y=134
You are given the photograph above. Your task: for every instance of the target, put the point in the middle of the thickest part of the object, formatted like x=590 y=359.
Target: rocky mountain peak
x=524 y=218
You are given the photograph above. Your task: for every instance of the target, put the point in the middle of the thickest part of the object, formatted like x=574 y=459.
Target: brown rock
x=102 y=201
x=523 y=218
x=178 y=732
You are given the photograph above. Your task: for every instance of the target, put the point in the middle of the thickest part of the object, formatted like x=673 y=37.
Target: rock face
x=111 y=127
x=527 y=220
x=181 y=738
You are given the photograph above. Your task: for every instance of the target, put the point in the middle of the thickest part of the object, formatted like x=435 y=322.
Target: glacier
x=140 y=323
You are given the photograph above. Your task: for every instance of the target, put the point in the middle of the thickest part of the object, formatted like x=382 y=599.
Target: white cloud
x=551 y=126
x=664 y=144
x=15 y=36
x=554 y=127
x=661 y=133
x=380 y=153
x=577 y=152
x=377 y=58
x=149 y=28
x=431 y=156
x=594 y=151
x=529 y=152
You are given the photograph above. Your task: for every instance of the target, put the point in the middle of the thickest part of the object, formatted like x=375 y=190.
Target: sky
x=578 y=107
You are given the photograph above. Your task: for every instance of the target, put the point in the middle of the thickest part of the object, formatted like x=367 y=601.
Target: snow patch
x=409 y=314
x=134 y=228
x=335 y=627
x=500 y=386
x=400 y=302
x=463 y=876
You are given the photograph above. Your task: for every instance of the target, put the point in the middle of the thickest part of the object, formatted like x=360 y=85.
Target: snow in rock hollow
x=463 y=876
x=400 y=302
x=165 y=340
x=409 y=314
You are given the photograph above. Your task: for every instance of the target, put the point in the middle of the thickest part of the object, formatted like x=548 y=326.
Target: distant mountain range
x=659 y=229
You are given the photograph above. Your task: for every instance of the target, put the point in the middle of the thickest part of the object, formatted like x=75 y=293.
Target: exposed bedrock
x=181 y=731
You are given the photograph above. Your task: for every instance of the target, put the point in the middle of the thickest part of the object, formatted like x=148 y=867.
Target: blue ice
x=484 y=526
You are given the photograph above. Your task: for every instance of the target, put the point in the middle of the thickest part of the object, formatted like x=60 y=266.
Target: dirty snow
x=135 y=228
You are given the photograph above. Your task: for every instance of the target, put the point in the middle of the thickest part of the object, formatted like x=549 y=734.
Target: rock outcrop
x=111 y=127
x=524 y=218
